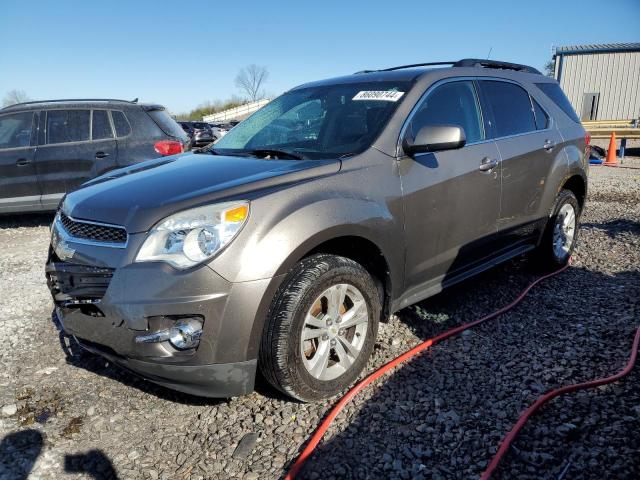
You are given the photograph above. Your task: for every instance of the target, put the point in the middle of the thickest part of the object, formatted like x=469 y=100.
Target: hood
x=138 y=197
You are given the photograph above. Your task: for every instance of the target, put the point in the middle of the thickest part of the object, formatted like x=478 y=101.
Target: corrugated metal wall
x=615 y=76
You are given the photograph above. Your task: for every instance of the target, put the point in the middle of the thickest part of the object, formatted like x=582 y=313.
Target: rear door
x=69 y=156
x=528 y=145
x=104 y=143
x=451 y=203
x=19 y=191
x=65 y=155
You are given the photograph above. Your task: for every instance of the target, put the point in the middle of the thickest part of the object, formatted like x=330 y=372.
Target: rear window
x=121 y=123
x=555 y=93
x=101 y=128
x=167 y=124
x=64 y=126
x=511 y=108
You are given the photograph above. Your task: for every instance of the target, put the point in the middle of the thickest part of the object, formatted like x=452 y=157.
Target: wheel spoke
x=355 y=315
x=314 y=321
x=346 y=344
x=345 y=360
x=570 y=218
x=320 y=360
x=310 y=333
x=336 y=299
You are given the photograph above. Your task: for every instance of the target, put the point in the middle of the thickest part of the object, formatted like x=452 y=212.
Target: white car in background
x=219 y=130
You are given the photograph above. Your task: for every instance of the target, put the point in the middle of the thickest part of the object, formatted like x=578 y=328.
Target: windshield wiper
x=206 y=149
x=275 y=154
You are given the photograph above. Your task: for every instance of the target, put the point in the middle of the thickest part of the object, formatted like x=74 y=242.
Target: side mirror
x=433 y=138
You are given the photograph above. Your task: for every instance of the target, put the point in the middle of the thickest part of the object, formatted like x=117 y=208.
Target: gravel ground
x=442 y=415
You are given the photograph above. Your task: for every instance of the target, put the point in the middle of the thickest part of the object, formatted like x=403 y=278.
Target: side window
x=121 y=123
x=15 y=130
x=511 y=106
x=100 y=127
x=65 y=126
x=542 y=119
x=453 y=103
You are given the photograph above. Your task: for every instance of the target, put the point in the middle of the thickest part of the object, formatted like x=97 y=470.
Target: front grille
x=93 y=231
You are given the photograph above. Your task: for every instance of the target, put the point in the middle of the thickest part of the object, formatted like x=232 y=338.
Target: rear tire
x=561 y=233
x=321 y=328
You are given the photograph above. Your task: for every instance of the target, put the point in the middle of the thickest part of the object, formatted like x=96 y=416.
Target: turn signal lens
x=237 y=214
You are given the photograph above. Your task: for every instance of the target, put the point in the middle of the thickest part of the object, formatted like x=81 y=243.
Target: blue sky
x=183 y=53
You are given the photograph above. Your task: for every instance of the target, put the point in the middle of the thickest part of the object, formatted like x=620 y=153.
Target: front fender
x=279 y=244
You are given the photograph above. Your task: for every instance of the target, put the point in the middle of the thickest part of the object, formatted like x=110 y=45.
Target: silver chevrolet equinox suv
x=281 y=247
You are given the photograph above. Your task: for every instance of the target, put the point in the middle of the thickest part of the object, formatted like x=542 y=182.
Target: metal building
x=601 y=81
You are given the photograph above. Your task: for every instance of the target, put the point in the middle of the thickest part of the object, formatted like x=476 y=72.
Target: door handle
x=548 y=145
x=23 y=162
x=101 y=154
x=487 y=164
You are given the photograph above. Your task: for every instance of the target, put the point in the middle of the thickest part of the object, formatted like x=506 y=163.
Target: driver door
x=19 y=191
x=452 y=201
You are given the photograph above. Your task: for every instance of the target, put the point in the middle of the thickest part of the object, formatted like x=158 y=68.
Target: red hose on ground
x=508 y=440
x=319 y=433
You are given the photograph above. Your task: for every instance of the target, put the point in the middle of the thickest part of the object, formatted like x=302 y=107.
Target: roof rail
x=479 y=62
x=465 y=62
x=401 y=67
x=135 y=100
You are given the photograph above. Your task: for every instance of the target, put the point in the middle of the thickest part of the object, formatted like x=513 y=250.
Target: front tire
x=321 y=328
x=561 y=233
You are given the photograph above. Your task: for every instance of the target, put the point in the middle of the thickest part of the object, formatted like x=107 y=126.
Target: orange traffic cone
x=611 y=152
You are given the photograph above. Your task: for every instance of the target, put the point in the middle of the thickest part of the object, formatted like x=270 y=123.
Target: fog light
x=183 y=335
x=186 y=334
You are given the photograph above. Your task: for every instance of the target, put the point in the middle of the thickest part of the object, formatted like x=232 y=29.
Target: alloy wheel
x=334 y=331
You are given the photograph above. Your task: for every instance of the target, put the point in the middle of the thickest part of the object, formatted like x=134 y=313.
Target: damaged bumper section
x=187 y=330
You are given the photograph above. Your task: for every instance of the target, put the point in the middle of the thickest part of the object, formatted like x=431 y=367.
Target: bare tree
x=14 y=96
x=250 y=79
x=550 y=68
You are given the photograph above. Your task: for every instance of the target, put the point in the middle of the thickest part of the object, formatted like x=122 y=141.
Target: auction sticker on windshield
x=387 y=96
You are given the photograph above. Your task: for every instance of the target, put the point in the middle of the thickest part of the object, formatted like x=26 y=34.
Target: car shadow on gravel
x=78 y=357
x=26 y=220
x=614 y=228
x=443 y=414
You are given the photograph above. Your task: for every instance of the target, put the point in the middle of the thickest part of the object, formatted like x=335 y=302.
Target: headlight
x=193 y=236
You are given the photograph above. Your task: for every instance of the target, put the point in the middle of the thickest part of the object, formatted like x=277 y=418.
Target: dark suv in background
x=49 y=148
x=282 y=246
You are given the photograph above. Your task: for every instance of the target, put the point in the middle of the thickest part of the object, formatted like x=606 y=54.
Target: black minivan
x=49 y=148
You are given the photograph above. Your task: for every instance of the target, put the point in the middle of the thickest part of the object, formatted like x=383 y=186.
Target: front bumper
x=106 y=309
x=217 y=380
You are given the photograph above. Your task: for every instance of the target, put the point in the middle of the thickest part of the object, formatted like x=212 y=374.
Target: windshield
x=318 y=122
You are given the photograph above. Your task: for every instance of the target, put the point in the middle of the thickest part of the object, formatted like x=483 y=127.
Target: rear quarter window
x=167 y=124
x=542 y=119
x=555 y=93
